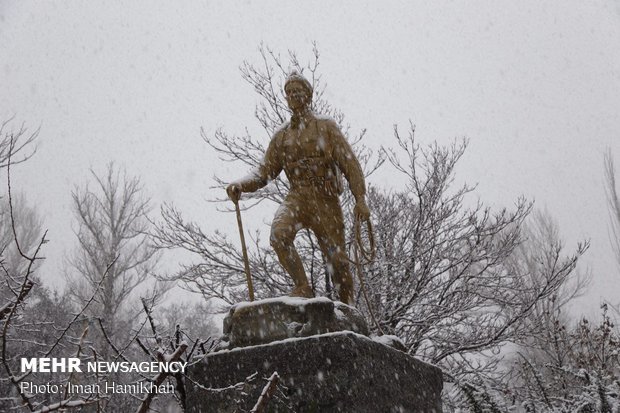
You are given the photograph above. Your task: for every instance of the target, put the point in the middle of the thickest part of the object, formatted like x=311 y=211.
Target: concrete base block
x=333 y=372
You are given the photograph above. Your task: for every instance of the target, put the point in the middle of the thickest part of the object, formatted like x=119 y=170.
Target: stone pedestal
x=337 y=371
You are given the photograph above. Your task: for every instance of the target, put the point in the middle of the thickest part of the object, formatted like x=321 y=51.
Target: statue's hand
x=234 y=192
x=361 y=211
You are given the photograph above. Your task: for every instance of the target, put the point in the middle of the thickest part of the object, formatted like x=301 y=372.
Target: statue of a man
x=312 y=151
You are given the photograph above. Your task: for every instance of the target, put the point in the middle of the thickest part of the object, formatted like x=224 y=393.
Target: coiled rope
x=367 y=257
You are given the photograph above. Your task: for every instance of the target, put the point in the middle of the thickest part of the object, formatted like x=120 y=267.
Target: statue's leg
x=285 y=225
x=328 y=227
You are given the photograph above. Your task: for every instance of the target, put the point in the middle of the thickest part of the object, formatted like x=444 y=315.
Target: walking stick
x=244 y=250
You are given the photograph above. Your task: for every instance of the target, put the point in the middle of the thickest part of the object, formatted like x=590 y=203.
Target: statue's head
x=298 y=91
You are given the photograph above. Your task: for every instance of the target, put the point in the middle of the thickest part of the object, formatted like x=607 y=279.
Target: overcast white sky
x=534 y=85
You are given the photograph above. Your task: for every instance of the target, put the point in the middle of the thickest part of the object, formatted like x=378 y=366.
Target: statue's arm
x=347 y=161
x=269 y=168
x=349 y=165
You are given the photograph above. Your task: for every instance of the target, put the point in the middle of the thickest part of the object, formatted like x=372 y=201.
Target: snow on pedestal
x=321 y=368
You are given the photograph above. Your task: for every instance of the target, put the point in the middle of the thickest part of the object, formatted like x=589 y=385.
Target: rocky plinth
x=321 y=368
x=264 y=321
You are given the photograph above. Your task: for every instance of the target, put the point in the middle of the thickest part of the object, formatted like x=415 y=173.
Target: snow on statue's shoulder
x=320 y=116
x=283 y=127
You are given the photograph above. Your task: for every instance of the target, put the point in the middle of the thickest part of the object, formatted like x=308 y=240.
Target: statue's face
x=296 y=96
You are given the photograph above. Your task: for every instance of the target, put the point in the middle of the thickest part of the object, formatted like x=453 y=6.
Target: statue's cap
x=296 y=77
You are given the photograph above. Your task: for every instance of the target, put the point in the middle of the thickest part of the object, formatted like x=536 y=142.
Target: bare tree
x=535 y=257
x=16 y=146
x=34 y=322
x=613 y=206
x=28 y=226
x=538 y=259
x=111 y=240
x=20 y=225
x=613 y=203
x=447 y=280
x=17 y=284
x=578 y=369
x=196 y=320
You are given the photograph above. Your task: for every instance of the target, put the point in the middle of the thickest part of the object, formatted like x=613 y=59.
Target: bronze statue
x=312 y=151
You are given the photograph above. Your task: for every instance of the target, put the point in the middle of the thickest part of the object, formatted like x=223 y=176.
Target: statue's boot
x=346 y=293
x=302 y=291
